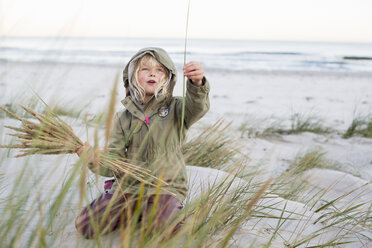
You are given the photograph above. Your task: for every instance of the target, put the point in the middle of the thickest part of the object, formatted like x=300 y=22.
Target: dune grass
x=289 y=184
x=269 y=127
x=32 y=102
x=66 y=110
x=307 y=161
x=360 y=126
x=69 y=109
x=261 y=128
x=302 y=123
x=213 y=147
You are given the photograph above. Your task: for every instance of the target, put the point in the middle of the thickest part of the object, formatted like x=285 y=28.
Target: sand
x=256 y=98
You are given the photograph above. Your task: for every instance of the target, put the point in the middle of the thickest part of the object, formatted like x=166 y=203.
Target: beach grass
x=261 y=127
x=306 y=123
x=273 y=127
x=360 y=126
x=291 y=186
x=97 y=120
x=307 y=161
x=13 y=107
x=68 y=111
x=212 y=147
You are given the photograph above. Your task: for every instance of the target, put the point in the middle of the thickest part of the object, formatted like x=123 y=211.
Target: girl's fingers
x=194 y=75
x=194 y=71
x=79 y=150
x=192 y=66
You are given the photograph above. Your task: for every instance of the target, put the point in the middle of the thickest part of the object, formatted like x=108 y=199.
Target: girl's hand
x=88 y=149
x=85 y=147
x=195 y=72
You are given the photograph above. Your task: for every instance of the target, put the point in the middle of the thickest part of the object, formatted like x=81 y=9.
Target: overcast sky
x=310 y=20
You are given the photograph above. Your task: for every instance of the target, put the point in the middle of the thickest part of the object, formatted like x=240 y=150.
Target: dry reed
x=184 y=78
x=111 y=112
x=51 y=136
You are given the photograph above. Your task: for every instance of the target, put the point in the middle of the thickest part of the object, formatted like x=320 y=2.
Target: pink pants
x=105 y=213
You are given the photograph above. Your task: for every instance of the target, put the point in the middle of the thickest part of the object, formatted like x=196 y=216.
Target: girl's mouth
x=151 y=82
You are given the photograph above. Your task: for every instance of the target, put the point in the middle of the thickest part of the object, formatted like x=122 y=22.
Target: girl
x=147 y=133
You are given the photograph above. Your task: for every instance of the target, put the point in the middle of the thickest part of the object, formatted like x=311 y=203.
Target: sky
x=302 y=20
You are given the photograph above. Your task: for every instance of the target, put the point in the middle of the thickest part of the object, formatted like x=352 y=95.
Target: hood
x=162 y=56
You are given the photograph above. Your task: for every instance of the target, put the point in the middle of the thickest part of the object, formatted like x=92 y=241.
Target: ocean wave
x=238 y=53
x=356 y=58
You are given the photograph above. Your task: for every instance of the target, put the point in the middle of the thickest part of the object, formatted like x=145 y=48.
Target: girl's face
x=151 y=76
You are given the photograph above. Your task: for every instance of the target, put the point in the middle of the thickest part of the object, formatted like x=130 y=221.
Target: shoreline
x=272 y=72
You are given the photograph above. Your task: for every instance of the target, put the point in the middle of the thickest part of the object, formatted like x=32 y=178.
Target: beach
x=251 y=99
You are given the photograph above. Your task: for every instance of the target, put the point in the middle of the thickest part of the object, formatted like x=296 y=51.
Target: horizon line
x=180 y=38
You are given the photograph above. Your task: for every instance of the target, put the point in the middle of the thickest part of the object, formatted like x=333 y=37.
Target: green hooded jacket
x=150 y=137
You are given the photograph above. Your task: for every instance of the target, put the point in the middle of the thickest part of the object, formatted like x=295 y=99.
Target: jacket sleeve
x=197 y=102
x=116 y=147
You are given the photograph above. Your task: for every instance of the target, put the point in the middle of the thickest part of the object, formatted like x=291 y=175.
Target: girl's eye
x=160 y=70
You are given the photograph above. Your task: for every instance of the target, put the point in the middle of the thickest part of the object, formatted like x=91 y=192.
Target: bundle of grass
x=51 y=136
x=54 y=136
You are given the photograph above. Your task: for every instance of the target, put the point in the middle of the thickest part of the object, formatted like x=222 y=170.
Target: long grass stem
x=184 y=78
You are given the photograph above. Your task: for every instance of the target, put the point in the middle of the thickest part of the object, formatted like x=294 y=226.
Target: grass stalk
x=183 y=77
x=111 y=112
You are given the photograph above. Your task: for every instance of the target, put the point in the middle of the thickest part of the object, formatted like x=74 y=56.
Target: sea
x=235 y=55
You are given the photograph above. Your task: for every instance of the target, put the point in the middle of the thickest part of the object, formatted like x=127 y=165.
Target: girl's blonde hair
x=138 y=90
